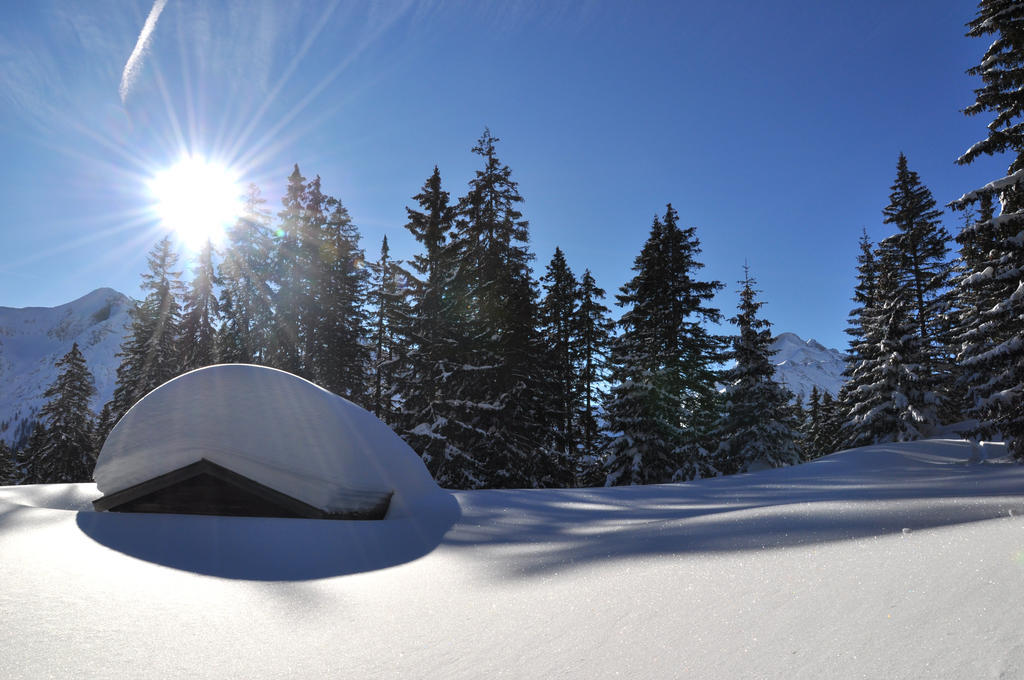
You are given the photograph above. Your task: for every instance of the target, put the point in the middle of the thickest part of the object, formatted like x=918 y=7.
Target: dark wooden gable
x=205 y=488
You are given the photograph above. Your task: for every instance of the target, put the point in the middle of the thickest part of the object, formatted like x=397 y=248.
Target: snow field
x=897 y=561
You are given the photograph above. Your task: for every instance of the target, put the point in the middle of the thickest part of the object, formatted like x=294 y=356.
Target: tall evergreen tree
x=246 y=297
x=559 y=326
x=593 y=330
x=499 y=376
x=8 y=470
x=290 y=274
x=67 y=454
x=432 y=385
x=991 y=289
x=663 y=399
x=889 y=396
x=759 y=426
x=864 y=296
x=29 y=460
x=339 y=354
x=150 y=351
x=200 y=314
x=391 y=318
x=924 y=277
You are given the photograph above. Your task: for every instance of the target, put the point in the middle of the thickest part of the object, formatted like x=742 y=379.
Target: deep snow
x=895 y=561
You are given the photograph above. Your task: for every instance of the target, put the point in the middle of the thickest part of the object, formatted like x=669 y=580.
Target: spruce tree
x=864 y=296
x=66 y=454
x=290 y=275
x=889 y=400
x=200 y=314
x=246 y=298
x=391 y=315
x=339 y=356
x=558 y=318
x=991 y=289
x=662 y=403
x=28 y=459
x=432 y=386
x=593 y=331
x=923 y=277
x=8 y=470
x=759 y=426
x=150 y=351
x=502 y=370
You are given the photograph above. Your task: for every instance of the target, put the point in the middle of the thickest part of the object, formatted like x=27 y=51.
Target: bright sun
x=197 y=198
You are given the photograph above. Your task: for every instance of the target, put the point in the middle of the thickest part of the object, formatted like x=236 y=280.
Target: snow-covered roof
x=269 y=426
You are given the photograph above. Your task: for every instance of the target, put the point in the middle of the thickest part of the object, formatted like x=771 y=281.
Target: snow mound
x=270 y=426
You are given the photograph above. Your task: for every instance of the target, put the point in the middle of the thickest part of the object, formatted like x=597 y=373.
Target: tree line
x=498 y=378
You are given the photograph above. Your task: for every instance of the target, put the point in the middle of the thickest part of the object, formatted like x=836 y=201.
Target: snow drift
x=270 y=426
x=895 y=561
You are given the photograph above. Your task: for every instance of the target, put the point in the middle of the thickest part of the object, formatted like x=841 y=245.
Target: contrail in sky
x=134 y=63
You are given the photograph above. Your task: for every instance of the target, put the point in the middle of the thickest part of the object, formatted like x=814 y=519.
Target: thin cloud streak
x=134 y=63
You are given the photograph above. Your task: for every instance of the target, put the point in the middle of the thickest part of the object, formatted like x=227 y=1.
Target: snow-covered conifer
x=501 y=372
x=990 y=291
x=246 y=296
x=434 y=421
x=66 y=454
x=888 y=400
x=150 y=352
x=923 y=277
x=759 y=426
x=200 y=314
x=8 y=471
x=558 y=312
x=338 y=356
x=390 y=321
x=291 y=276
x=662 y=401
x=594 y=329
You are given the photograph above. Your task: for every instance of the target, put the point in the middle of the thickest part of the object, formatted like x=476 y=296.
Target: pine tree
x=923 y=277
x=593 y=330
x=864 y=297
x=246 y=296
x=663 y=399
x=813 y=426
x=886 y=402
x=991 y=289
x=29 y=460
x=67 y=454
x=759 y=426
x=339 y=354
x=391 y=315
x=8 y=471
x=150 y=351
x=501 y=369
x=291 y=276
x=434 y=421
x=104 y=424
x=558 y=318
x=201 y=311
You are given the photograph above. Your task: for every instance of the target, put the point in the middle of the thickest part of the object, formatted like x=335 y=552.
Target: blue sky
x=772 y=127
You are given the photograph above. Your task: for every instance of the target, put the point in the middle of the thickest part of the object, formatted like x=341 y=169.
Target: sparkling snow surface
x=896 y=561
x=271 y=426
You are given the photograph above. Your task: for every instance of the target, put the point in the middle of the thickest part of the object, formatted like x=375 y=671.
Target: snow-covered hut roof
x=270 y=427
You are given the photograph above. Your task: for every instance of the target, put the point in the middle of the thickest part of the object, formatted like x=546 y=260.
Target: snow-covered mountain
x=32 y=339
x=803 y=364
